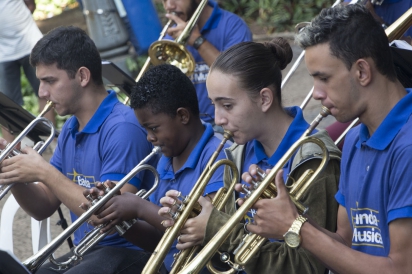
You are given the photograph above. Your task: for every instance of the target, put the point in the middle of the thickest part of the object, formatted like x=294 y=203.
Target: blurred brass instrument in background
x=173 y=52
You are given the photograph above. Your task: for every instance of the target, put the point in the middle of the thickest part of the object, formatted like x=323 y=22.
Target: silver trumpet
x=34 y=262
x=40 y=147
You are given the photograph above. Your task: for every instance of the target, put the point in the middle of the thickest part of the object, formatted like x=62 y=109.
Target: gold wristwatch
x=292 y=236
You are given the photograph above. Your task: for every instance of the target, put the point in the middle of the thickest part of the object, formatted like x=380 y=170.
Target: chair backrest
x=40 y=230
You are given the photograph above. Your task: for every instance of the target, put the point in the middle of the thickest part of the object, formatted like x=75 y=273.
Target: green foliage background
x=49 y=8
x=276 y=15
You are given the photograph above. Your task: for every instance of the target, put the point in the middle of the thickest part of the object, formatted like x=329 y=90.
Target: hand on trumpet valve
x=3 y=143
x=193 y=230
x=273 y=217
x=172 y=204
x=253 y=179
x=120 y=208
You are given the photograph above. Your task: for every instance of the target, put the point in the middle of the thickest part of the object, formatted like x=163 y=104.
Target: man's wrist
x=198 y=42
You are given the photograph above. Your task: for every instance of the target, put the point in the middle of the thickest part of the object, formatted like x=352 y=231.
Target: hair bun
x=280 y=47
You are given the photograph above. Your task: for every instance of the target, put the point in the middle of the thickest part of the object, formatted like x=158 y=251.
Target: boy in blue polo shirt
x=348 y=55
x=102 y=140
x=165 y=103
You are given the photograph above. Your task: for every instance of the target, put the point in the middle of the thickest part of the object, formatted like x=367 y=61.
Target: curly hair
x=164 y=89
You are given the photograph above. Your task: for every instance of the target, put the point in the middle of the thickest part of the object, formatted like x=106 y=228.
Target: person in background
x=18 y=35
x=216 y=30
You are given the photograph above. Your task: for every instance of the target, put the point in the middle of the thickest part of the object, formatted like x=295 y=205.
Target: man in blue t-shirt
x=165 y=103
x=348 y=55
x=216 y=30
x=101 y=141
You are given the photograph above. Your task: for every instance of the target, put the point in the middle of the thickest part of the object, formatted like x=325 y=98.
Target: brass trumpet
x=34 y=262
x=40 y=147
x=190 y=208
x=173 y=52
x=264 y=189
x=147 y=62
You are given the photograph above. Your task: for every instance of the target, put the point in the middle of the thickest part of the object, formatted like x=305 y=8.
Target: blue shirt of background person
x=98 y=153
x=223 y=30
x=390 y=10
x=375 y=177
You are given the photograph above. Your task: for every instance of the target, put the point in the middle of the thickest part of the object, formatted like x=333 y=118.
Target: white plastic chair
x=40 y=230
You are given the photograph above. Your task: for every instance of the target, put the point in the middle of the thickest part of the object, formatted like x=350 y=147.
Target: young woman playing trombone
x=244 y=85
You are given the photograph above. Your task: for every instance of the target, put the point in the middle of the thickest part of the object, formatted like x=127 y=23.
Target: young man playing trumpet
x=216 y=30
x=101 y=141
x=348 y=56
x=165 y=104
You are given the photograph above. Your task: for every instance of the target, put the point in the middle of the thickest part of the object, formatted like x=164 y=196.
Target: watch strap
x=198 y=42
x=297 y=224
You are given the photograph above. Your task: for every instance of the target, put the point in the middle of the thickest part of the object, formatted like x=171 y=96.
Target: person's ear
x=363 y=71
x=84 y=76
x=183 y=114
x=266 y=99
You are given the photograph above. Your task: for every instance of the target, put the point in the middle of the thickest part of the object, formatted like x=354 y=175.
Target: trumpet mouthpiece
x=325 y=111
x=227 y=134
x=49 y=105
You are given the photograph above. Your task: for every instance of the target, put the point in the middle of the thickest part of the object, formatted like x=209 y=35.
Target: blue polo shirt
x=108 y=147
x=255 y=154
x=376 y=179
x=223 y=29
x=391 y=10
x=185 y=178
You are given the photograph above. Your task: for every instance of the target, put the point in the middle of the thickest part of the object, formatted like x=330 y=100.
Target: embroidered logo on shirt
x=82 y=180
x=366 y=231
x=200 y=74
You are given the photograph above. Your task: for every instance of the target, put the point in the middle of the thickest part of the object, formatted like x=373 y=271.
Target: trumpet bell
x=173 y=53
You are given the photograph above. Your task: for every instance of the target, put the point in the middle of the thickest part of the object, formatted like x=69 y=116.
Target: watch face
x=292 y=239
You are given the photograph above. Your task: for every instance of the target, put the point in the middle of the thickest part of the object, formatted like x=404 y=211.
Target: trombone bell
x=172 y=53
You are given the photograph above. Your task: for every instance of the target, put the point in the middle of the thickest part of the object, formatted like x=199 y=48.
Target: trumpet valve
x=224 y=257
x=246 y=190
x=173 y=215
x=89 y=198
x=261 y=173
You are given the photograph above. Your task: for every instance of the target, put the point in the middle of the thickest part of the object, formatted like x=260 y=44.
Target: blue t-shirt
x=255 y=153
x=376 y=180
x=223 y=29
x=391 y=10
x=109 y=147
x=185 y=178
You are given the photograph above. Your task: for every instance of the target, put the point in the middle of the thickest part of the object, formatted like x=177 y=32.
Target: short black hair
x=164 y=89
x=70 y=48
x=352 y=33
